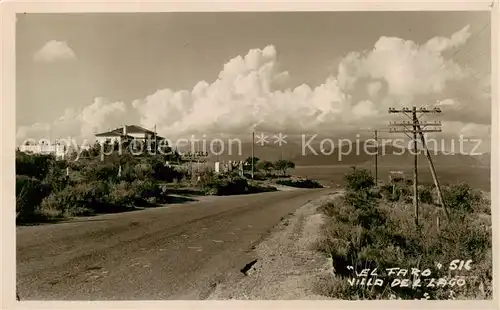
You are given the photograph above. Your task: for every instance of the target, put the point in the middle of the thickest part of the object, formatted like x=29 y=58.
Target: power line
x=415 y=127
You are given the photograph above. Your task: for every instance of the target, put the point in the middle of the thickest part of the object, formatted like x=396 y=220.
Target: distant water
x=477 y=177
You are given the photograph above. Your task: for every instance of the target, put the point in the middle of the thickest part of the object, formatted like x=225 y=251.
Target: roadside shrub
x=283 y=165
x=359 y=200
x=359 y=179
x=29 y=194
x=63 y=204
x=143 y=171
x=301 y=183
x=247 y=163
x=483 y=204
x=386 y=191
x=122 y=195
x=145 y=189
x=205 y=178
x=225 y=186
x=365 y=233
x=254 y=187
x=425 y=194
x=396 y=192
x=78 y=199
x=165 y=173
x=101 y=171
x=461 y=198
x=33 y=165
x=55 y=178
x=265 y=166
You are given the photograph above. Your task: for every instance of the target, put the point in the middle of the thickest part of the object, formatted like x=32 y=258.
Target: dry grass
x=366 y=231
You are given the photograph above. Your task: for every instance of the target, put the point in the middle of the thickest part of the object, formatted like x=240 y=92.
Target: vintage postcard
x=203 y=153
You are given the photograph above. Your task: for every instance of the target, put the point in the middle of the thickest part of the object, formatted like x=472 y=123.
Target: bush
x=56 y=178
x=33 y=165
x=361 y=233
x=165 y=173
x=224 y=186
x=122 y=195
x=396 y=192
x=265 y=166
x=101 y=171
x=302 y=183
x=460 y=197
x=254 y=187
x=29 y=194
x=78 y=199
x=283 y=165
x=359 y=179
x=425 y=194
x=96 y=184
x=247 y=163
x=145 y=189
x=206 y=178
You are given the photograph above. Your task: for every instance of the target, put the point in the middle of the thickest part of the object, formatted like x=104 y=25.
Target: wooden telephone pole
x=415 y=127
x=376 y=137
x=433 y=171
x=253 y=144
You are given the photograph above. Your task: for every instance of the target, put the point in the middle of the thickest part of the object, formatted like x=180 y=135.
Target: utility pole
x=218 y=154
x=156 y=147
x=415 y=165
x=433 y=171
x=253 y=143
x=376 y=156
x=414 y=128
x=376 y=137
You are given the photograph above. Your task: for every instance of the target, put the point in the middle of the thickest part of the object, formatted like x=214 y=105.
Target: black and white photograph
x=254 y=155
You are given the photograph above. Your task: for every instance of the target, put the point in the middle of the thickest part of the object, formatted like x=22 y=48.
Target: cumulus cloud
x=244 y=96
x=409 y=69
x=101 y=114
x=84 y=123
x=248 y=94
x=374 y=88
x=35 y=131
x=440 y=44
x=54 y=50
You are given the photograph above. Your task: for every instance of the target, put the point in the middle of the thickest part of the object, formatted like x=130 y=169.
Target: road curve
x=177 y=252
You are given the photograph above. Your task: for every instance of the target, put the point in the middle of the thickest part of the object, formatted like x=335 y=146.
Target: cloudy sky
x=211 y=73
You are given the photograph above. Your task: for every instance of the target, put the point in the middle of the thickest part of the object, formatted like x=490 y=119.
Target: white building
x=59 y=150
x=127 y=132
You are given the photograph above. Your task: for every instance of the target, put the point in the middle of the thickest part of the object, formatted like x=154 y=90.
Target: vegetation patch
x=99 y=181
x=372 y=227
x=300 y=183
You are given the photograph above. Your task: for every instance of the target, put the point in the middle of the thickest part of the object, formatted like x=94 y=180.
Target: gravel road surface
x=182 y=251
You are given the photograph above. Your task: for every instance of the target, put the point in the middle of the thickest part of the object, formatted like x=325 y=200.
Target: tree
x=247 y=164
x=95 y=150
x=267 y=166
x=33 y=165
x=283 y=165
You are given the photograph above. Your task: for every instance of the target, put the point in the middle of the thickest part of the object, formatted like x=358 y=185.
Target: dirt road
x=178 y=252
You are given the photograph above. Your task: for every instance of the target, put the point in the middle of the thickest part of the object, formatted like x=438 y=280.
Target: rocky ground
x=286 y=265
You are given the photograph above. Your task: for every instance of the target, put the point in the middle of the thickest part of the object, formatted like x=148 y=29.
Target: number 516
x=458 y=264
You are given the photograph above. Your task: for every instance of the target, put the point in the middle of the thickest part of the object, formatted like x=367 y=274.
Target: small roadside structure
x=396 y=176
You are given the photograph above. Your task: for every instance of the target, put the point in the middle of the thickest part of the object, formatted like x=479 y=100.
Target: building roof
x=136 y=129
x=112 y=133
x=130 y=129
